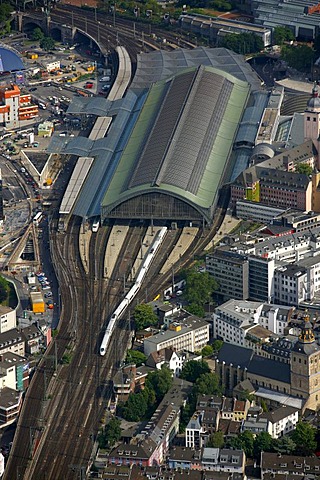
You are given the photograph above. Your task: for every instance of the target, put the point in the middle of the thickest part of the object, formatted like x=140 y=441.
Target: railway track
x=61 y=412
x=135 y=35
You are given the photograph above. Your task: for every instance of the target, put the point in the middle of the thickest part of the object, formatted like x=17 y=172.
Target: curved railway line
x=135 y=34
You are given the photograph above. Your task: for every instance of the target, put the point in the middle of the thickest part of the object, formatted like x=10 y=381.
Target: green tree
x=243 y=43
x=188 y=410
x=135 y=407
x=246 y=395
x=144 y=316
x=37 y=34
x=244 y=441
x=208 y=384
x=207 y=351
x=284 y=445
x=136 y=357
x=304 y=168
x=282 y=34
x=4 y=289
x=299 y=57
x=111 y=433
x=160 y=382
x=196 y=309
x=216 y=440
x=262 y=443
x=192 y=370
x=5 y=11
x=217 y=344
x=200 y=287
x=304 y=437
x=47 y=43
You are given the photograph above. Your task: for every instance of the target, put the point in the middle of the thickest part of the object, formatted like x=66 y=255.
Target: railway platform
x=116 y=240
x=84 y=244
x=184 y=242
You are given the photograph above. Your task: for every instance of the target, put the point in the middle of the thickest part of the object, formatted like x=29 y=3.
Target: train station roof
x=161 y=64
x=171 y=134
x=181 y=142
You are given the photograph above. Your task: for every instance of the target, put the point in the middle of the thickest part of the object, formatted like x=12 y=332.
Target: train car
x=133 y=291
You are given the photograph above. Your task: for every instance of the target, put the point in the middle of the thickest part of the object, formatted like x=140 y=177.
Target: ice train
x=133 y=290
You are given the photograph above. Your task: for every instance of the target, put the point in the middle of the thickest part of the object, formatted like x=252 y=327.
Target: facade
x=45 y=129
x=15 y=107
x=8 y=319
x=172 y=359
x=52 y=65
x=274 y=188
x=231 y=272
x=305 y=371
x=261 y=283
x=247 y=210
x=281 y=421
x=290 y=285
x=191 y=335
x=236 y=320
x=12 y=341
x=283 y=270
x=208 y=459
x=10 y=405
x=289 y=465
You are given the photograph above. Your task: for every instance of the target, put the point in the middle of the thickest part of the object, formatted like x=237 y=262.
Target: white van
x=104 y=79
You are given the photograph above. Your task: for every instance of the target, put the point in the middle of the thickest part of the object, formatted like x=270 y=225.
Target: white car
x=48 y=295
x=104 y=79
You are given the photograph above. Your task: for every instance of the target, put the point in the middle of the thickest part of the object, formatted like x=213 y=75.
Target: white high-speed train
x=133 y=290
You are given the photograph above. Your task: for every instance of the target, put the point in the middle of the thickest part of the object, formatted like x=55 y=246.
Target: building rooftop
x=189 y=324
x=279 y=414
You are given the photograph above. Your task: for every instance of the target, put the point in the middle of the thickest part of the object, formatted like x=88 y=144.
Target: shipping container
x=37 y=302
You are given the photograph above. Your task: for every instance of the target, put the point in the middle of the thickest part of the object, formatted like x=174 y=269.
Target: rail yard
x=70 y=389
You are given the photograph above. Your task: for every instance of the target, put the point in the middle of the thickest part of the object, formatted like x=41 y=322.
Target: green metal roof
x=182 y=139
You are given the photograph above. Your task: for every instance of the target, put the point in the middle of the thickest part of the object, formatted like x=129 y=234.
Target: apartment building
x=14 y=106
x=234 y=320
x=231 y=271
x=281 y=421
x=272 y=187
x=8 y=319
x=208 y=459
x=282 y=270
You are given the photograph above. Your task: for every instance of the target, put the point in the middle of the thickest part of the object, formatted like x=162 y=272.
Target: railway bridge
x=27 y=21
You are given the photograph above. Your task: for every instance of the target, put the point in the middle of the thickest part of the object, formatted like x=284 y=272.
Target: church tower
x=312 y=120
x=305 y=367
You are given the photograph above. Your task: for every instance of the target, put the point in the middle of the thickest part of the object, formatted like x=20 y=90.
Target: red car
x=88 y=85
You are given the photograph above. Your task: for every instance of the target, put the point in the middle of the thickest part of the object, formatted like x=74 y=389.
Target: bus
x=95 y=224
x=37 y=218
